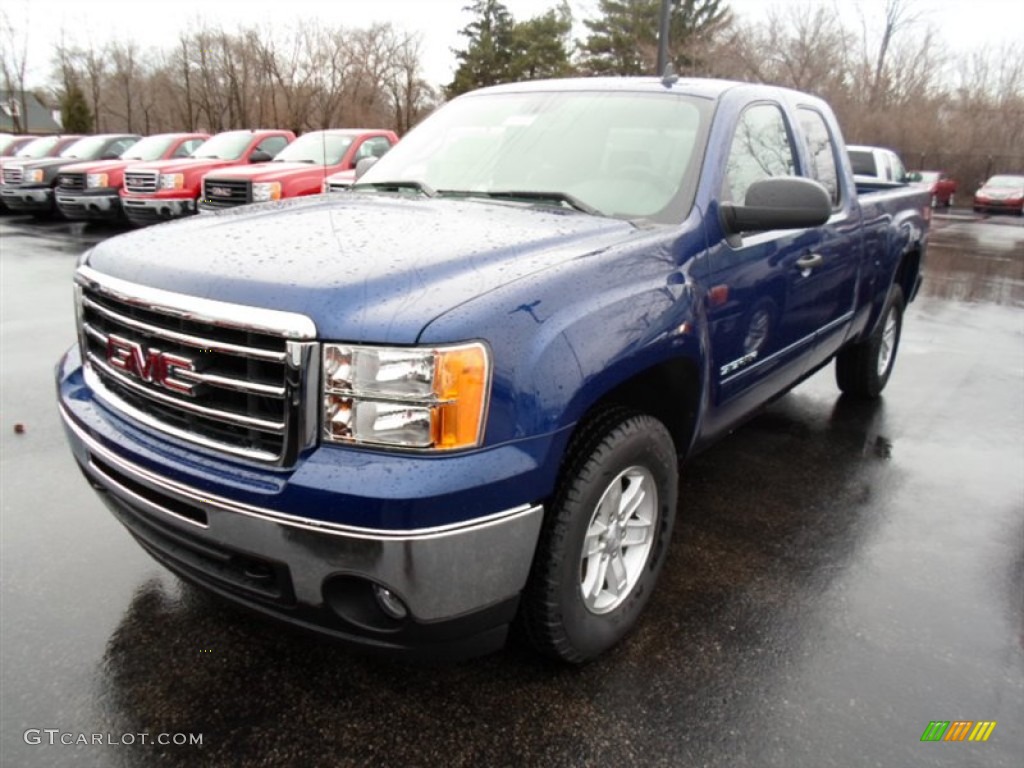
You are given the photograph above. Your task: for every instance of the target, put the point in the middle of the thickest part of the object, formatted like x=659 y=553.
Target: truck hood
x=370 y=268
x=270 y=171
x=99 y=166
x=45 y=163
x=184 y=165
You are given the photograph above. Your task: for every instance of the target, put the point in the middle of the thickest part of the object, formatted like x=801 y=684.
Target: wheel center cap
x=614 y=537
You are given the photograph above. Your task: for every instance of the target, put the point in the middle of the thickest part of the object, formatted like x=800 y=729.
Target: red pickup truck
x=170 y=189
x=91 y=191
x=939 y=183
x=299 y=169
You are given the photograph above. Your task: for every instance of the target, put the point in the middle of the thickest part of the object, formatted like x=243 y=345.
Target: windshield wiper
x=396 y=186
x=544 y=197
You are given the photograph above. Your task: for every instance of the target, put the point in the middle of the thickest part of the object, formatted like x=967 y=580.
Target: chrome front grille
x=13 y=175
x=230 y=378
x=140 y=181
x=226 y=193
x=71 y=182
x=339 y=186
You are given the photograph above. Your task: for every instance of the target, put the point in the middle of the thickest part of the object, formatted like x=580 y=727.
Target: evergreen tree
x=74 y=110
x=487 y=58
x=541 y=46
x=623 y=40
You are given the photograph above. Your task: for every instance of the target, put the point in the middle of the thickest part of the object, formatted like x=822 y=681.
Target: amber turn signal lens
x=460 y=381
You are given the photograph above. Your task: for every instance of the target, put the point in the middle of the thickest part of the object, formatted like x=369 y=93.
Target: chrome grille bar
x=184 y=338
x=226 y=382
x=185 y=405
x=140 y=181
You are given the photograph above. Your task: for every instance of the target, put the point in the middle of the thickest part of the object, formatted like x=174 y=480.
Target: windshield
x=622 y=154
x=85 y=149
x=224 y=146
x=319 y=148
x=1005 y=181
x=39 y=148
x=150 y=148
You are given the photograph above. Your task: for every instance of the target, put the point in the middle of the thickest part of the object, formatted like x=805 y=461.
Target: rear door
x=830 y=284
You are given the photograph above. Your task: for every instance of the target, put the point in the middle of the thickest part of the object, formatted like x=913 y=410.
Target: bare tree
x=13 y=63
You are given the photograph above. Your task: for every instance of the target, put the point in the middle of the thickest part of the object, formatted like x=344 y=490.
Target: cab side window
x=822 y=151
x=119 y=146
x=761 y=148
x=899 y=173
x=186 y=148
x=272 y=145
x=375 y=147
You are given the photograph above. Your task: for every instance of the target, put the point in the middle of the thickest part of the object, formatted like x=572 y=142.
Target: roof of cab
x=701 y=87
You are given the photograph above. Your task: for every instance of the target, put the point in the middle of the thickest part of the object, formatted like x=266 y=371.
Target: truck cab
x=298 y=170
x=170 y=189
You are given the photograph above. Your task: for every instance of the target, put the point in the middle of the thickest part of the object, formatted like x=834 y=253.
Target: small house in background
x=25 y=115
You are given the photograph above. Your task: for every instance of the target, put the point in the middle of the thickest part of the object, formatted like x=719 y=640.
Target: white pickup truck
x=876 y=164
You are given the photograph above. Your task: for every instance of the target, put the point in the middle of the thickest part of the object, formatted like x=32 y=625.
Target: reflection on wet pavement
x=966 y=262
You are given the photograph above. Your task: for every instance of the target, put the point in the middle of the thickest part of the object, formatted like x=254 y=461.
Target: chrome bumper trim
x=192 y=495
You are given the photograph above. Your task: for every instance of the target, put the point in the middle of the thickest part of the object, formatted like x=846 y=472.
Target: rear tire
x=863 y=370
x=605 y=537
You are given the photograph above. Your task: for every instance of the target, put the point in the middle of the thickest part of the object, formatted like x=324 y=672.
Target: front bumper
x=459 y=582
x=28 y=199
x=141 y=210
x=98 y=204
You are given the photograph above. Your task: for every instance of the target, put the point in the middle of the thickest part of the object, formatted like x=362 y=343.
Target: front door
x=762 y=301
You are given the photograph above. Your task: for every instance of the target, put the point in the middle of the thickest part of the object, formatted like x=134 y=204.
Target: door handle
x=810 y=261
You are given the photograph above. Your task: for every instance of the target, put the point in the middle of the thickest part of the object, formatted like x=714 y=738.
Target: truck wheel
x=863 y=369
x=604 y=538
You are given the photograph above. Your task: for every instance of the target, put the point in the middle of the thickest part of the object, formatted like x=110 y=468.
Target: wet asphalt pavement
x=841 y=574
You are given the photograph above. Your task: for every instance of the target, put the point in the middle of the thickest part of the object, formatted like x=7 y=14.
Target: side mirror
x=364 y=165
x=914 y=177
x=781 y=202
x=259 y=156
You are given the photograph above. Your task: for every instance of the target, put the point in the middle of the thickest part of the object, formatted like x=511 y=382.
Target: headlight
x=96 y=180
x=263 y=191
x=172 y=180
x=433 y=398
x=36 y=175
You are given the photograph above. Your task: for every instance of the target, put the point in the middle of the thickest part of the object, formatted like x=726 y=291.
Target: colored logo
x=958 y=730
x=150 y=365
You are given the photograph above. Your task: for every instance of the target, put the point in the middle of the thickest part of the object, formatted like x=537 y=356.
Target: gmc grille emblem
x=150 y=365
x=220 y=191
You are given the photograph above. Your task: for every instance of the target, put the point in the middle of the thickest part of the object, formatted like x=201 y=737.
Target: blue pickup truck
x=456 y=398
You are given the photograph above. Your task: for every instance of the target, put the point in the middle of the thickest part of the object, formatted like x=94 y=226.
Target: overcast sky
x=963 y=24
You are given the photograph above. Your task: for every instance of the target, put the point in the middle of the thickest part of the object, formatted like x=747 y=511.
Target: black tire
x=612 y=447
x=860 y=368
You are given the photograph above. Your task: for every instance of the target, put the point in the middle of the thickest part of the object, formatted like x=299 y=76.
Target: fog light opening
x=390 y=603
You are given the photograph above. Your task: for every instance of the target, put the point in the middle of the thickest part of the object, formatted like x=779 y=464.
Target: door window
x=374 y=147
x=760 y=149
x=272 y=145
x=187 y=147
x=821 y=150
